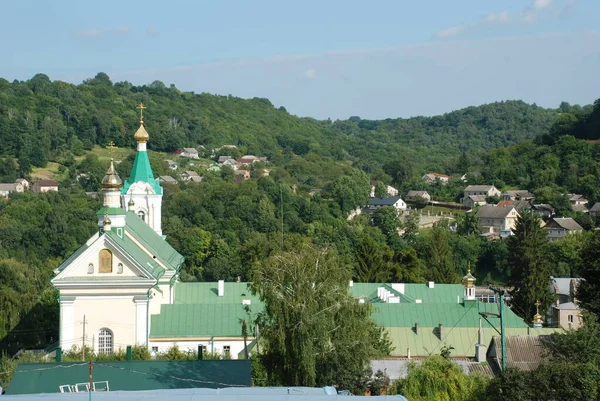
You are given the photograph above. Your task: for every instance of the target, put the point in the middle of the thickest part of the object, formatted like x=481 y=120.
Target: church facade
x=112 y=284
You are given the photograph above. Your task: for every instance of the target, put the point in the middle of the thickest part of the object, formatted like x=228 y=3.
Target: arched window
x=105 y=341
x=120 y=268
x=105 y=262
x=91 y=268
x=142 y=215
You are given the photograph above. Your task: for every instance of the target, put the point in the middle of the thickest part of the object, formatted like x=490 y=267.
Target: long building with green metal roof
x=420 y=318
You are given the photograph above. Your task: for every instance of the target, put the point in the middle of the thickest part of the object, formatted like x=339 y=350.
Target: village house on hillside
x=474 y=200
x=559 y=227
x=543 y=210
x=167 y=179
x=499 y=221
x=172 y=165
x=191 y=176
x=565 y=311
x=41 y=186
x=578 y=203
x=390 y=191
x=190 y=153
x=248 y=160
x=395 y=202
x=241 y=175
x=595 y=211
x=520 y=205
x=485 y=190
x=517 y=195
x=416 y=196
x=432 y=178
x=6 y=189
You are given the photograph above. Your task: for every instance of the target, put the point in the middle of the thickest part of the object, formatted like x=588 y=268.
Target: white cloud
x=450 y=32
x=536 y=11
x=96 y=33
x=311 y=73
x=502 y=17
x=541 y=4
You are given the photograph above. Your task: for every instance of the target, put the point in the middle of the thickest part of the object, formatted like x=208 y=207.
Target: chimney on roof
x=221 y=288
x=430 y=284
x=351 y=284
x=416 y=328
x=441 y=331
x=239 y=279
x=480 y=348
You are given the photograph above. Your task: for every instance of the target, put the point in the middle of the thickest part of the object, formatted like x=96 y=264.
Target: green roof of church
x=159 y=249
x=131 y=375
x=152 y=241
x=142 y=171
x=208 y=320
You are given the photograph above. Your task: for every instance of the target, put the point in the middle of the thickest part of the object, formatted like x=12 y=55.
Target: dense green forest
x=227 y=229
x=41 y=120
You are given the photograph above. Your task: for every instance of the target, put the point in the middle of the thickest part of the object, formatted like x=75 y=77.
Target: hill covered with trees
x=42 y=120
x=226 y=229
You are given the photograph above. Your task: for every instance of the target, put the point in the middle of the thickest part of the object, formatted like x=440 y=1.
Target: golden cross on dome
x=111 y=146
x=537 y=307
x=141 y=108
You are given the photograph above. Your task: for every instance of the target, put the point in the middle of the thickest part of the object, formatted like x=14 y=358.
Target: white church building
x=121 y=286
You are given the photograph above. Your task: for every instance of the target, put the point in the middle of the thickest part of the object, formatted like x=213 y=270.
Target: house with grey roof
x=395 y=202
x=559 y=227
x=523 y=352
x=578 y=203
x=7 y=188
x=415 y=196
x=543 y=210
x=565 y=312
x=191 y=153
x=41 y=186
x=496 y=220
x=474 y=200
x=518 y=194
x=168 y=179
x=432 y=178
x=595 y=211
x=486 y=190
x=172 y=165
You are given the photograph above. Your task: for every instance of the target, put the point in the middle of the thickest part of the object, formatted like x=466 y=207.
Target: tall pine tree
x=529 y=267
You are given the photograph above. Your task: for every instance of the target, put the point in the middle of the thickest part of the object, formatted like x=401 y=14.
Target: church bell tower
x=142 y=193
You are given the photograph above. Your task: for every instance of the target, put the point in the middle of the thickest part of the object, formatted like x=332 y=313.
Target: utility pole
x=500 y=292
x=91 y=383
x=83 y=340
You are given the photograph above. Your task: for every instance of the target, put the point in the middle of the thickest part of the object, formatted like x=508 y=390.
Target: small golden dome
x=131 y=203
x=111 y=180
x=106 y=221
x=141 y=135
x=469 y=279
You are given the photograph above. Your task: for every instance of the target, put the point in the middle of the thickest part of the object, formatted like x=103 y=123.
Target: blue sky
x=319 y=58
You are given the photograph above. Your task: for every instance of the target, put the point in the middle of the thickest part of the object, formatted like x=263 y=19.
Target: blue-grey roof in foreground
x=203 y=394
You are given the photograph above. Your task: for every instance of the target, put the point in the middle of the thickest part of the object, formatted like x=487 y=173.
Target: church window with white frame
x=120 y=268
x=105 y=341
x=142 y=215
x=90 y=268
